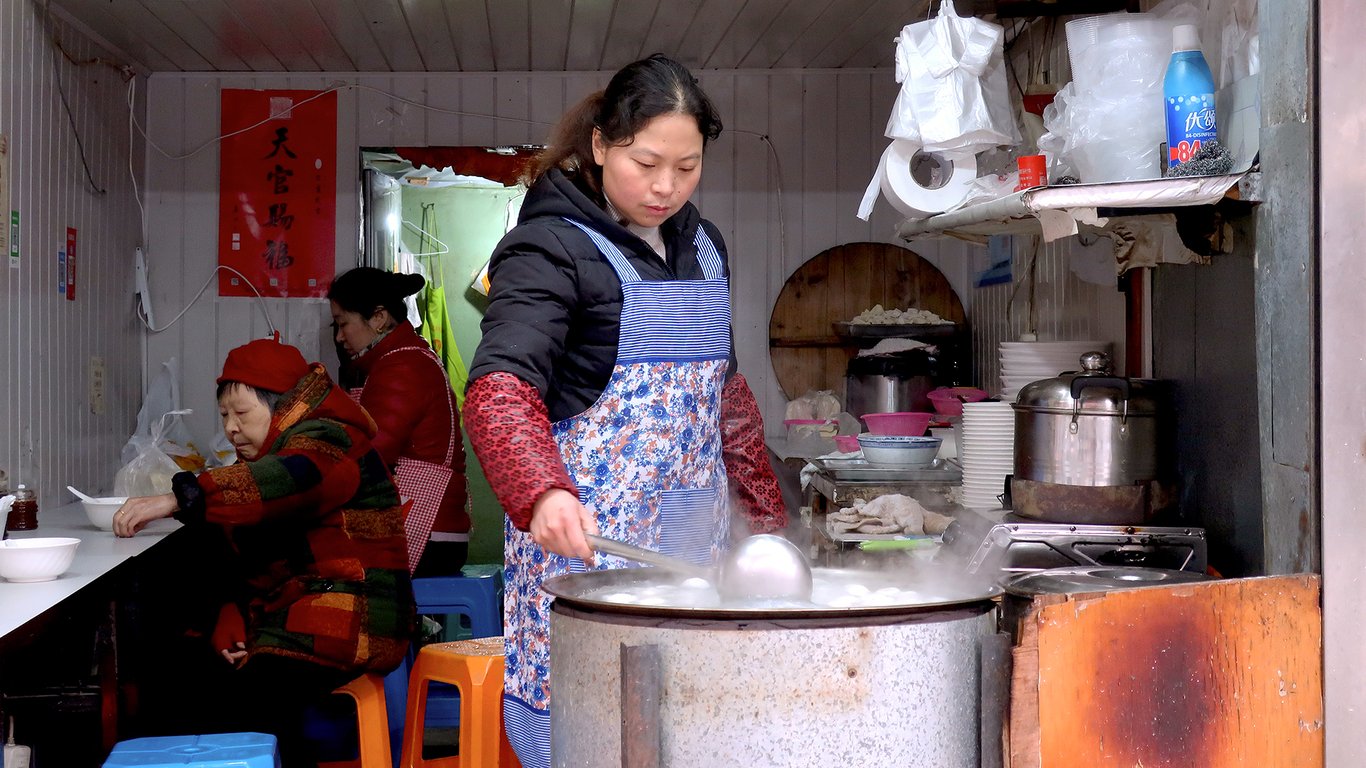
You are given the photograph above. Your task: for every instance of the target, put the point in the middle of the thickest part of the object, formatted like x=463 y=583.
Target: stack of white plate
x=1025 y=361
x=987 y=452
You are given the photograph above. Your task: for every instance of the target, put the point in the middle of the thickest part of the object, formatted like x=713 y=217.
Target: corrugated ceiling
x=491 y=35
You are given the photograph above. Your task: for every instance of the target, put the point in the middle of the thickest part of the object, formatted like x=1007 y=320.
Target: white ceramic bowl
x=101 y=510
x=899 y=451
x=42 y=559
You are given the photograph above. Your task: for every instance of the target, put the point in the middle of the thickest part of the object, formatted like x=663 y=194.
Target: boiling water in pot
x=831 y=588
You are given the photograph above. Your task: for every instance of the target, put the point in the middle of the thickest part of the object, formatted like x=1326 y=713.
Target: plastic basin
x=905 y=423
x=948 y=401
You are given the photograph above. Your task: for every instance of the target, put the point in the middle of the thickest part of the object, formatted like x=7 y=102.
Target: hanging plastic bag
x=954 y=95
x=156 y=437
x=149 y=470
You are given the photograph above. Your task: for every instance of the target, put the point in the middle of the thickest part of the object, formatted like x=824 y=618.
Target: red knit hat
x=266 y=364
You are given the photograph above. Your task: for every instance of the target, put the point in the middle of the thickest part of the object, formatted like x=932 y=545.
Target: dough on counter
x=936 y=523
x=893 y=513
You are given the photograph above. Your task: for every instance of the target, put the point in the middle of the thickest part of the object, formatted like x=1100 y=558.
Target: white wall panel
x=49 y=434
x=1065 y=308
x=825 y=126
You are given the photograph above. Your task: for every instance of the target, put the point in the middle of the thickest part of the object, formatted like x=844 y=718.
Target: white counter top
x=99 y=553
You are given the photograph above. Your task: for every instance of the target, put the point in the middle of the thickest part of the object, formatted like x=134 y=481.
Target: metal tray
x=859 y=470
x=895 y=330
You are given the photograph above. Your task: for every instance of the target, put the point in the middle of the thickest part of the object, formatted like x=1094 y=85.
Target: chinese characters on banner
x=277 y=203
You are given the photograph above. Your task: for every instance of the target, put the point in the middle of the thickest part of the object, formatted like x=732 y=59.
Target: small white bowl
x=101 y=510
x=43 y=559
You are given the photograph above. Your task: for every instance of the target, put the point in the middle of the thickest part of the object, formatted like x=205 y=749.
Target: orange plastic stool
x=373 y=723
x=475 y=668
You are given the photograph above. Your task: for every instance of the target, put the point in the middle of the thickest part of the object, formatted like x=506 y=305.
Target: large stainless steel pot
x=1091 y=428
x=890 y=383
x=752 y=686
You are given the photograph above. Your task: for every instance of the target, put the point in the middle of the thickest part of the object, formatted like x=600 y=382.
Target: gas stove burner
x=1020 y=545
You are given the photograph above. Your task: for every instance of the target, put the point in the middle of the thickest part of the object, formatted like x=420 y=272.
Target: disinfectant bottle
x=1188 y=95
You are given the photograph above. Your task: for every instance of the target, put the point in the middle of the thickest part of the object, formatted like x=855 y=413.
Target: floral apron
x=421 y=484
x=646 y=458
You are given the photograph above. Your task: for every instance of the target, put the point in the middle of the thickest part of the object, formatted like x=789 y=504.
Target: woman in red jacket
x=407 y=393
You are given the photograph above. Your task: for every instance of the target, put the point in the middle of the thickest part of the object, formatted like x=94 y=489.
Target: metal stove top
x=1020 y=545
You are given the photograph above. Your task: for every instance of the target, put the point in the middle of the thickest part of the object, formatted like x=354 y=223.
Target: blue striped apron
x=646 y=458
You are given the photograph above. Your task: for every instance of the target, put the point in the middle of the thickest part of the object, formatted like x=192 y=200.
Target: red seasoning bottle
x=23 y=516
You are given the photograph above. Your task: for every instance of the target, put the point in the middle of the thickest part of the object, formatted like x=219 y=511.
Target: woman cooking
x=320 y=591
x=408 y=395
x=604 y=396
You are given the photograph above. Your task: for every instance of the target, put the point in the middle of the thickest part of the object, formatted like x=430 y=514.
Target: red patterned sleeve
x=750 y=475
x=509 y=429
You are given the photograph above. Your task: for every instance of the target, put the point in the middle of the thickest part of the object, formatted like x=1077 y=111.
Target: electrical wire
x=137 y=195
x=142 y=311
x=135 y=125
x=1031 y=320
x=71 y=120
x=319 y=95
x=778 y=172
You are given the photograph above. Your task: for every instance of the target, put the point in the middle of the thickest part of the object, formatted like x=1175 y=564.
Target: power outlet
x=97 y=386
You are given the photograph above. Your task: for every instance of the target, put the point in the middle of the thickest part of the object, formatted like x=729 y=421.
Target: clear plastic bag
x=161 y=444
x=149 y=470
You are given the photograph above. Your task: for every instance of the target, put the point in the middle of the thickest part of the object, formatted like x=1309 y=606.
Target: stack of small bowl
x=898 y=440
x=987 y=452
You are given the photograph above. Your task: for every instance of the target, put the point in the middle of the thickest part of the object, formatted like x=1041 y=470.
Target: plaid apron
x=421 y=484
x=646 y=458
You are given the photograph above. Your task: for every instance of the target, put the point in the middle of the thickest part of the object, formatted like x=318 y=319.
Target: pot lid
x=1094 y=390
x=1095 y=578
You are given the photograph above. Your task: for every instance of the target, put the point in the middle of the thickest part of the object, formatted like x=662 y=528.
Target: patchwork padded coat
x=316 y=529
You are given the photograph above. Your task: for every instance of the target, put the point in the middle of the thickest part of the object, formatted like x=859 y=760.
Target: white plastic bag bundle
x=954 y=95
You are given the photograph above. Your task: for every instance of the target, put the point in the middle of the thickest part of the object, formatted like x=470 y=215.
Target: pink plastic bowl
x=946 y=400
x=847 y=443
x=905 y=423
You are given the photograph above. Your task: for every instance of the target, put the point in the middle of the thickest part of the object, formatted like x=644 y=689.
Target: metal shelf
x=1059 y=211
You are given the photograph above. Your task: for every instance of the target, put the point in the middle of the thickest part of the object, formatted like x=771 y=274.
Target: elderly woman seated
x=314 y=534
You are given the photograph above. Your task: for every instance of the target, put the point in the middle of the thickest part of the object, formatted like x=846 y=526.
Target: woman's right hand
x=558 y=522
x=138 y=511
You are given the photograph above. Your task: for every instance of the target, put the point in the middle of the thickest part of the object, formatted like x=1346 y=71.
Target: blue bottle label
x=1190 y=123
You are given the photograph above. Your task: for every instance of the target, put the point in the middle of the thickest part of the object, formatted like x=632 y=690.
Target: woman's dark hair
x=364 y=290
x=636 y=95
x=268 y=399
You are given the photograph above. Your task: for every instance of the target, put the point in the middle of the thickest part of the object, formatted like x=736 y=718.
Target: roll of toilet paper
x=920 y=184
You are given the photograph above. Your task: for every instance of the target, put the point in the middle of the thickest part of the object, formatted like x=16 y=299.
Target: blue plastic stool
x=476 y=594
x=329 y=730
x=213 y=750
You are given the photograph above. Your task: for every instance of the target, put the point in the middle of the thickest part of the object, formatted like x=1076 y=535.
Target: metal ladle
x=763 y=566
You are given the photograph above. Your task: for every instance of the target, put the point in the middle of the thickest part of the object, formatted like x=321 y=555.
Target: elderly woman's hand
x=137 y=512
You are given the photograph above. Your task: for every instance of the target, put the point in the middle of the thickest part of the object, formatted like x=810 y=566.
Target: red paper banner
x=277 y=202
